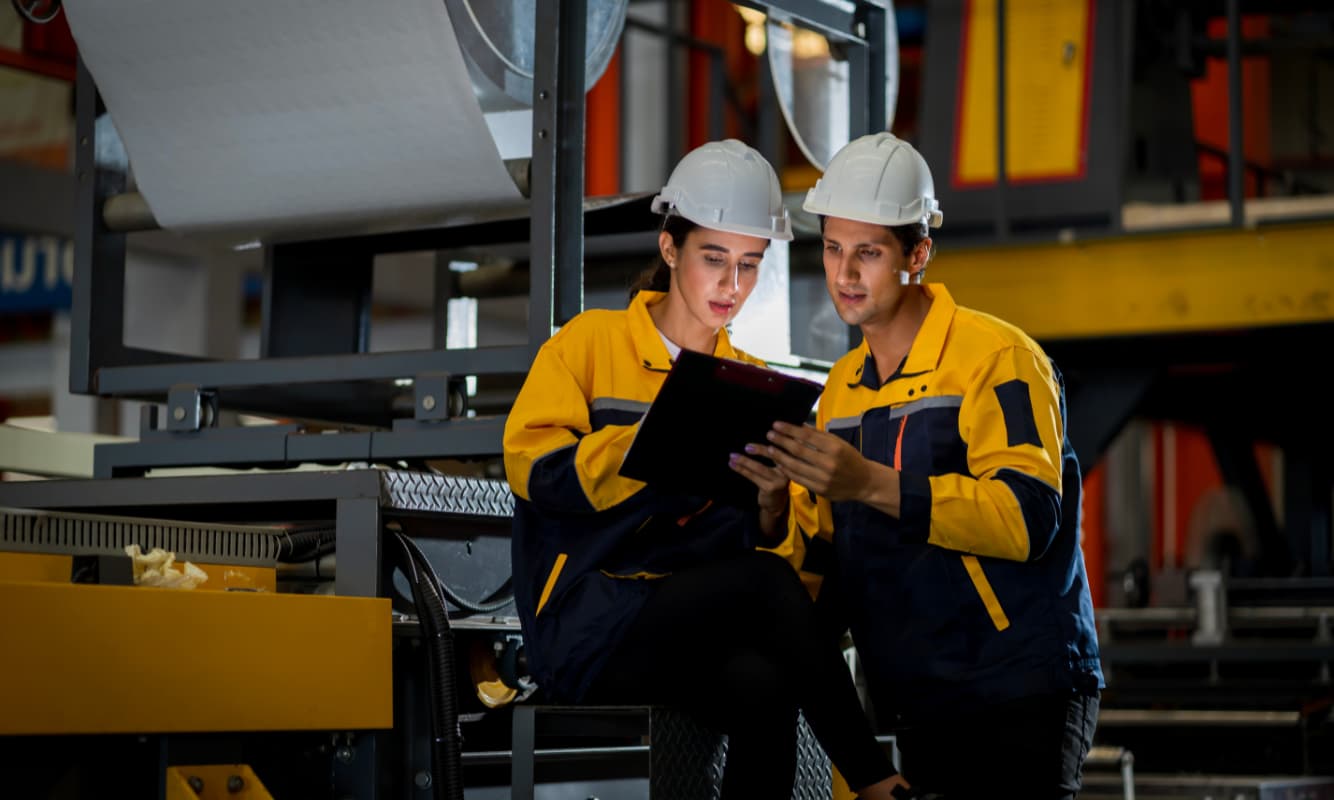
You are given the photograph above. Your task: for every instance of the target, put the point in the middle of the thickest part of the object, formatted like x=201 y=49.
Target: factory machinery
x=355 y=635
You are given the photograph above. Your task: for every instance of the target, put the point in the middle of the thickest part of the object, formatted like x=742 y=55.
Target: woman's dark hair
x=658 y=278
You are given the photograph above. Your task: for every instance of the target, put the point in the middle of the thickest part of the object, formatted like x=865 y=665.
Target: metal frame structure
x=359 y=502
x=316 y=304
x=293 y=378
x=319 y=361
x=315 y=366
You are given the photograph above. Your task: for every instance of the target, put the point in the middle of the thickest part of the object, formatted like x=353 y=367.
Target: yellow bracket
x=215 y=782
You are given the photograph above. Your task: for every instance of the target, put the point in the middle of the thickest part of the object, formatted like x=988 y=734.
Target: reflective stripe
x=985 y=591
x=551 y=582
x=617 y=404
x=606 y=411
x=843 y=422
x=943 y=401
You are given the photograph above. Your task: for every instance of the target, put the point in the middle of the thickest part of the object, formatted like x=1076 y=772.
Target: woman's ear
x=667 y=248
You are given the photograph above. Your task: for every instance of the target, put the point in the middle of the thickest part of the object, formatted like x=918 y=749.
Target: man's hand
x=832 y=468
x=820 y=461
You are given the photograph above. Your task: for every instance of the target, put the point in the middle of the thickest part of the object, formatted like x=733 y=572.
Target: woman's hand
x=772 y=484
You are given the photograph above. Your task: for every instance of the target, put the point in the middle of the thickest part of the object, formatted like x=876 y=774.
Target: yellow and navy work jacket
x=587 y=542
x=977 y=592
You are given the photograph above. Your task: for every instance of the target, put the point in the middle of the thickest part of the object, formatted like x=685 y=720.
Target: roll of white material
x=292 y=118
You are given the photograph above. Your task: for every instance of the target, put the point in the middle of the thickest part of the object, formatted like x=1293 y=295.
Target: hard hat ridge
x=727 y=186
x=880 y=179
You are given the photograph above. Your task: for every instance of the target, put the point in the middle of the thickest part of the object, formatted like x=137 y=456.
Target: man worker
x=939 y=495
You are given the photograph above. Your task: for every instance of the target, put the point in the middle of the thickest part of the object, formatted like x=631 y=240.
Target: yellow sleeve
x=553 y=457
x=810 y=534
x=1010 y=507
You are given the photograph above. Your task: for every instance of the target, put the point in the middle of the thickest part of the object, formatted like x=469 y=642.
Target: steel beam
x=1220 y=280
x=97 y=315
x=836 y=21
x=557 y=232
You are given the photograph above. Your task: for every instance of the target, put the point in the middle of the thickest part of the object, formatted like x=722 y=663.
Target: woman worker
x=630 y=595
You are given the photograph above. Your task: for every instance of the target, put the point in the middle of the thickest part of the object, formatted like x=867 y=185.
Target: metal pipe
x=1235 y=175
x=553 y=754
x=128 y=212
x=322 y=568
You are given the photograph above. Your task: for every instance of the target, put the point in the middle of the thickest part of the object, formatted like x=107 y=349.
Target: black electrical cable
x=494 y=602
x=446 y=745
x=299 y=545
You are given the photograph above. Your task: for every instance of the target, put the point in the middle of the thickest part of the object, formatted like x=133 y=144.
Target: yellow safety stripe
x=551 y=581
x=985 y=591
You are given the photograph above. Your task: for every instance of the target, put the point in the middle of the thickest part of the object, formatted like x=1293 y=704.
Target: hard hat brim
x=663 y=204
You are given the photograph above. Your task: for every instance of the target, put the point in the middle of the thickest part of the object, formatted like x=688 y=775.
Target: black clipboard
x=707 y=409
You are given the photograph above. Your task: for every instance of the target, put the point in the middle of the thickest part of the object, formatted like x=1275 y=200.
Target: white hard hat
x=727 y=186
x=880 y=179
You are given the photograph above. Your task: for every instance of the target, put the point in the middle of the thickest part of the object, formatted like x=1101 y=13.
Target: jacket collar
x=924 y=356
x=650 y=350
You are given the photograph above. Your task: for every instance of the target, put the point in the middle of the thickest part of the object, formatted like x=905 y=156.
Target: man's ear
x=921 y=254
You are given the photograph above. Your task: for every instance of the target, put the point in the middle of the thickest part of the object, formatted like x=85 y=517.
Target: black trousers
x=1033 y=747
x=736 y=643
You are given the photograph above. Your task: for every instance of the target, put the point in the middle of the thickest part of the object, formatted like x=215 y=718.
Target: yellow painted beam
x=1150 y=283
x=110 y=659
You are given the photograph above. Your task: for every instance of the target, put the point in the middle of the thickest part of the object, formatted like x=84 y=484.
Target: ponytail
x=658 y=278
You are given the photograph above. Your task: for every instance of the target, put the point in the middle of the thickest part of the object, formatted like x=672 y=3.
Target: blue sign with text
x=36 y=273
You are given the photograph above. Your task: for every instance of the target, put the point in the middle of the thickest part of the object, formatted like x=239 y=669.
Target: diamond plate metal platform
x=427 y=492
x=687 y=759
